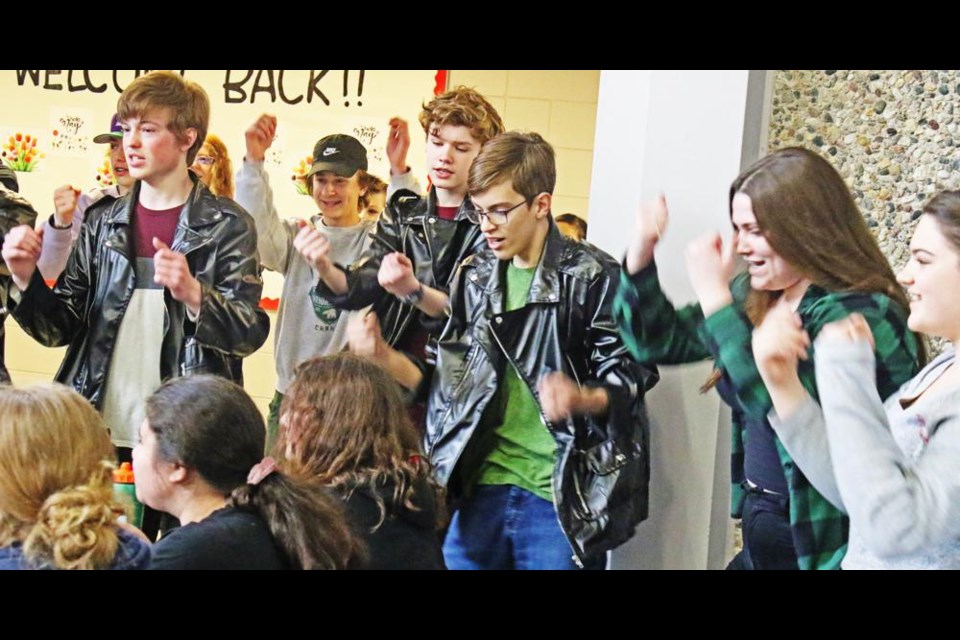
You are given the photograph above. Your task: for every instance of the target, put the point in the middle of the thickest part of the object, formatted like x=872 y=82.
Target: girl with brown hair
x=892 y=466
x=807 y=249
x=344 y=423
x=56 y=491
x=200 y=458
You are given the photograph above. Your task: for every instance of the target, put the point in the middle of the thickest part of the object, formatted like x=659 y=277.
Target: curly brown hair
x=344 y=422
x=463 y=107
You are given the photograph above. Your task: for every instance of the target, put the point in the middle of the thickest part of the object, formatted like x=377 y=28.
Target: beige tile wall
x=559 y=105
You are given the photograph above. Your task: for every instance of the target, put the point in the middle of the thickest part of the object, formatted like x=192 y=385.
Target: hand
x=396 y=275
x=65 y=203
x=364 y=338
x=315 y=249
x=853 y=328
x=779 y=343
x=710 y=266
x=260 y=136
x=172 y=271
x=398 y=144
x=561 y=398
x=21 y=250
x=651 y=222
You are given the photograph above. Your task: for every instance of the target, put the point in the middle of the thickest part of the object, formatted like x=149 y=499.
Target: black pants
x=153 y=521
x=767 y=537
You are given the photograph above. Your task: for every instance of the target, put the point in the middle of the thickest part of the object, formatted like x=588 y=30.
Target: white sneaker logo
x=329 y=152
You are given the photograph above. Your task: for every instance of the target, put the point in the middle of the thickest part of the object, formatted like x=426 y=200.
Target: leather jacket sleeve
x=53 y=317
x=231 y=319
x=363 y=285
x=611 y=366
x=14 y=211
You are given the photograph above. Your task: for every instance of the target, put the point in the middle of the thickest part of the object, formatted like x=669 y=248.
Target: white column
x=687 y=134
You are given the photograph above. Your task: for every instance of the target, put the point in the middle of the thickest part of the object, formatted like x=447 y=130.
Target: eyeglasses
x=204 y=160
x=475 y=215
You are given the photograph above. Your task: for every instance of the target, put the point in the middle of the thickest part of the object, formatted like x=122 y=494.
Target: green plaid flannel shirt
x=657 y=333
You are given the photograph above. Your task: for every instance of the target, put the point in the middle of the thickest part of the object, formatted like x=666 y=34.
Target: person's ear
x=177 y=473
x=190 y=137
x=541 y=205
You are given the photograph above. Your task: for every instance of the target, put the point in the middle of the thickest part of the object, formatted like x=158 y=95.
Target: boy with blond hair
x=162 y=282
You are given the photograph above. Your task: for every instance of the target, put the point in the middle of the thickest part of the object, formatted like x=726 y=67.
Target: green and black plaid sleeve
x=652 y=329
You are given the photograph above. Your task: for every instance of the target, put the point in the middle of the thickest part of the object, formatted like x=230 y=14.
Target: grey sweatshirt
x=894 y=467
x=307 y=324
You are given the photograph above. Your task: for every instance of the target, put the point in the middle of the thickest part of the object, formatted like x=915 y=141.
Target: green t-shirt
x=521 y=449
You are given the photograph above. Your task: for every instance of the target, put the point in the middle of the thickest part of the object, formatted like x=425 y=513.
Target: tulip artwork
x=20 y=152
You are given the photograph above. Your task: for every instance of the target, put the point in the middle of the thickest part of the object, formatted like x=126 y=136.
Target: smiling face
x=338 y=198
x=932 y=277
x=152 y=150
x=768 y=271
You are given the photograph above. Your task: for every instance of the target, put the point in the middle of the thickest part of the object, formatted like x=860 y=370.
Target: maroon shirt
x=447 y=213
x=149 y=224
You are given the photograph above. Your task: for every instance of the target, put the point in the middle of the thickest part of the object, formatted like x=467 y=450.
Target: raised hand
x=710 y=266
x=259 y=137
x=853 y=328
x=65 y=203
x=651 y=222
x=398 y=144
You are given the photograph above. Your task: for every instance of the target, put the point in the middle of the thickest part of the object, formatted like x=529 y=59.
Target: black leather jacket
x=86 y=307
x=436 y=247
x=601 y=474
x=14 y=211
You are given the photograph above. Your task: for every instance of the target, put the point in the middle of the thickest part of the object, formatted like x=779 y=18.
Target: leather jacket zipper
x=576 y=558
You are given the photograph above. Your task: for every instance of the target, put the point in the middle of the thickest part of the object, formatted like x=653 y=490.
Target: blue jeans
x=506 y=527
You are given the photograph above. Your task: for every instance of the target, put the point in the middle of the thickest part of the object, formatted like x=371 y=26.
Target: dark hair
x=944 y=207
x=371 y=184
x=210 y=425
x=347 y=443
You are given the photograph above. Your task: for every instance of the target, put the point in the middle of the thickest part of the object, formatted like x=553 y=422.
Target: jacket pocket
x=196 y=359
x=597 y=471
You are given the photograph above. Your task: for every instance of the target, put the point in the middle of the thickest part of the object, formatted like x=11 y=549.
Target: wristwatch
x=415 y=297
